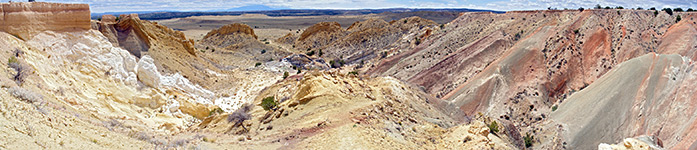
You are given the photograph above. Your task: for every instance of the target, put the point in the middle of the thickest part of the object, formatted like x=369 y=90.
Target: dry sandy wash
x=591 y=79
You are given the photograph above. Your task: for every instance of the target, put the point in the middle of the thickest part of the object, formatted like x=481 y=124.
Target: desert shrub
x=240 y=115
x=494 y=127
x=257 y=64
x=353 y=73
x=655 y=13
x=310 y=53
x=285 y=75
x=320 y=53
x=215 y=111
x=580 y=9
x=690 y=9
x=418 y=41
x=554 y=108
x=608 y=7
x=268 y=103
x=23 y=70
x=576 y=31
x=652 y=8
x=337 y=63
x=677 y=9
x=24 y=94
x=677 y=19
x=442 y=26
x=298 y=71
x=528 y=139
x=267 y=42
x=597 y=6
x=619 y=7
x=263 y=51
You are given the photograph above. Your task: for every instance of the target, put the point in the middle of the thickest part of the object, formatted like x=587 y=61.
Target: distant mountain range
x=272 y=11
x=253 y=8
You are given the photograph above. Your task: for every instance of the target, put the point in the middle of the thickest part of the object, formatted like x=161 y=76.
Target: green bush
x=216 y=111
x=677 y=19
x=554 y=108
x=494 y=127
x=310 y=53
x=353 y=73
x=257 y=65
x=528 y=139
x=11 y=60
x=268 y=103
x=285 y=75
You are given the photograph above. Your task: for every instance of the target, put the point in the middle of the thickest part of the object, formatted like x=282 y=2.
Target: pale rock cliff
x=26 y=19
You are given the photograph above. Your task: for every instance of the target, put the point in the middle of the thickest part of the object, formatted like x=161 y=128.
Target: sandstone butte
x=24 y=19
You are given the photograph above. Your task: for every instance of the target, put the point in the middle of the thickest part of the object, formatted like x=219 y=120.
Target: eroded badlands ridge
x=517 y=80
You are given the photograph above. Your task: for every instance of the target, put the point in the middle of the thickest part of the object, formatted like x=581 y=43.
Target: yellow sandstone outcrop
x=25 y=19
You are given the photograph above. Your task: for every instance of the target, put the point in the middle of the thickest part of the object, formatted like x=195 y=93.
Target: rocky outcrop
x=235 y=28
x=287 y=39
x=137 y=36
x=363 y=41
x=25 y=19
x=238 y=42
x=319 y=35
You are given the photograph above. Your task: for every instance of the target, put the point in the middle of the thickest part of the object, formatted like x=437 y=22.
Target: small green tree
x=285 y=75
x=257 y=64
x=677 y=19
x=668 y=10
x=494 y=127
x=310 y=53
x=528 y=139
x=268 y=103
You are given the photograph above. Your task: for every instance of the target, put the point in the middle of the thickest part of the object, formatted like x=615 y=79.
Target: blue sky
x=503 y=5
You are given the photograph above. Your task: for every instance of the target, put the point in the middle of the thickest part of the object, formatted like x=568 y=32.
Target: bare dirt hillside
x=521 y=66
